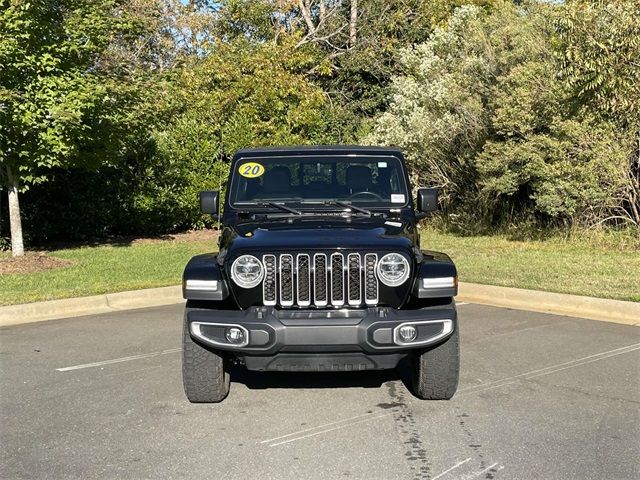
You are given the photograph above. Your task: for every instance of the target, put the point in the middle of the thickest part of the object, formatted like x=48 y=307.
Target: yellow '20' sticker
x=251 y=170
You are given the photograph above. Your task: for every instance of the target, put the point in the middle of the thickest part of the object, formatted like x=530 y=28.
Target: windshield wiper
x=280 y=206
x=348 y=205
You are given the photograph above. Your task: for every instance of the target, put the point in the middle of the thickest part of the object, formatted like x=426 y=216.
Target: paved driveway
x=541 y=397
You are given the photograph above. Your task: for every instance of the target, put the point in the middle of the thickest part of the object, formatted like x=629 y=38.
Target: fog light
x=235 y=335
x=407 y=333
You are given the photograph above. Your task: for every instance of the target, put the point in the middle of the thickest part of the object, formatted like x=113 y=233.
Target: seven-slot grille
x=319 y=279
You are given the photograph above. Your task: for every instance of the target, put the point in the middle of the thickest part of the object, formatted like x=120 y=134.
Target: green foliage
x=482 y=113
x=570 y=168
x=187 y=160
x=53 y=95
x=238 y=96
x=521 y=113
x=73 y=95
x=150 y=139
x=359 y=76
x=599 y=51
x=600 y=48
x=247 y=18
x=438 y=112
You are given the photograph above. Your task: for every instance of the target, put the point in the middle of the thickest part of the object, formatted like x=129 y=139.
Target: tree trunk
x=635 y=181
x=17 y=245
x=352 y=23
x=305 y=9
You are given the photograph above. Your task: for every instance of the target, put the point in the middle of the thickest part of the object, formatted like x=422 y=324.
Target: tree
x=57 y=91
x=600 y=55
x=438 y=106
x=238 y=95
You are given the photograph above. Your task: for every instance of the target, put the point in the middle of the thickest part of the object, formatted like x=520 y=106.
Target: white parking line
x=318 y=427
x=583 y=363
x=350 y=424
x=450 y=469
x=549 y=370
x=118 y=360
x=462 y=303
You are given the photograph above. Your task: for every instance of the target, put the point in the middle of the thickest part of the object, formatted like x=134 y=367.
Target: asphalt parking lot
x=540 y=397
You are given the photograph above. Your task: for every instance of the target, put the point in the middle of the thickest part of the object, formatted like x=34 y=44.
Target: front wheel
x=205 y=373
x=436 y=370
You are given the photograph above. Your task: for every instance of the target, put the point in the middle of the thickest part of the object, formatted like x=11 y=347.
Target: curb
x=79 y=306
x=616 y=311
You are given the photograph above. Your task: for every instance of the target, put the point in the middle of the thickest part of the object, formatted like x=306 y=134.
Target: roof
x=307 y=149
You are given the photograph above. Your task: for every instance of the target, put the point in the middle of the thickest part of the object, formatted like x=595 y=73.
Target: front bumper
x=270 y=331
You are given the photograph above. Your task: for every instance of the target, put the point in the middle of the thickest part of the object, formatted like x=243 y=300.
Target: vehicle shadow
x=365 y=379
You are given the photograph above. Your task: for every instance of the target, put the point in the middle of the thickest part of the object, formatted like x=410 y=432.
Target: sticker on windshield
x=251 y=170
x=382 y=164
x=397 y=198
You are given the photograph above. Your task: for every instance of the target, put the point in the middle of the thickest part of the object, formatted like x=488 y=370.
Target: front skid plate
x=337 y=362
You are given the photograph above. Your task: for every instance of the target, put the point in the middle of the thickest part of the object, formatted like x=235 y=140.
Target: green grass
x=580 y=265
x=103 y=269
x=583 y=266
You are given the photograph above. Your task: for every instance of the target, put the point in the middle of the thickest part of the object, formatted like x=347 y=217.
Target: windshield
x=307 y=180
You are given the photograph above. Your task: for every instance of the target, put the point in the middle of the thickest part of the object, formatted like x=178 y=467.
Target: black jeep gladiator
x=319 y=269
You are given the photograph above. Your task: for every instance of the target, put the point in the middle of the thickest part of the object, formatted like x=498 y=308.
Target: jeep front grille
x=320 y=280
x=337 y=279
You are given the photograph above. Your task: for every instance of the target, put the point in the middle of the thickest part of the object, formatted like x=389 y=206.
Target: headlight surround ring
x=393 y=269
x=247 y=271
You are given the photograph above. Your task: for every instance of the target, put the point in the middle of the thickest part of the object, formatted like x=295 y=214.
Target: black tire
x=436 y=370
x=205 y=373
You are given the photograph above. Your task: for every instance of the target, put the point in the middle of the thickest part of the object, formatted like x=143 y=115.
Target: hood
x=319 y=233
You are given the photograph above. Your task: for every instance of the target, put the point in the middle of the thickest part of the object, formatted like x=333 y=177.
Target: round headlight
x=393 y=269
x=247 y=271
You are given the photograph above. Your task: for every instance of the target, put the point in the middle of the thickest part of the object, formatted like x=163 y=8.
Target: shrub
x=482 y=113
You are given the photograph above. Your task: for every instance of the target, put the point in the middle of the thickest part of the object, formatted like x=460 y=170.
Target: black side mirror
x=209 y=202
x=427 y=200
